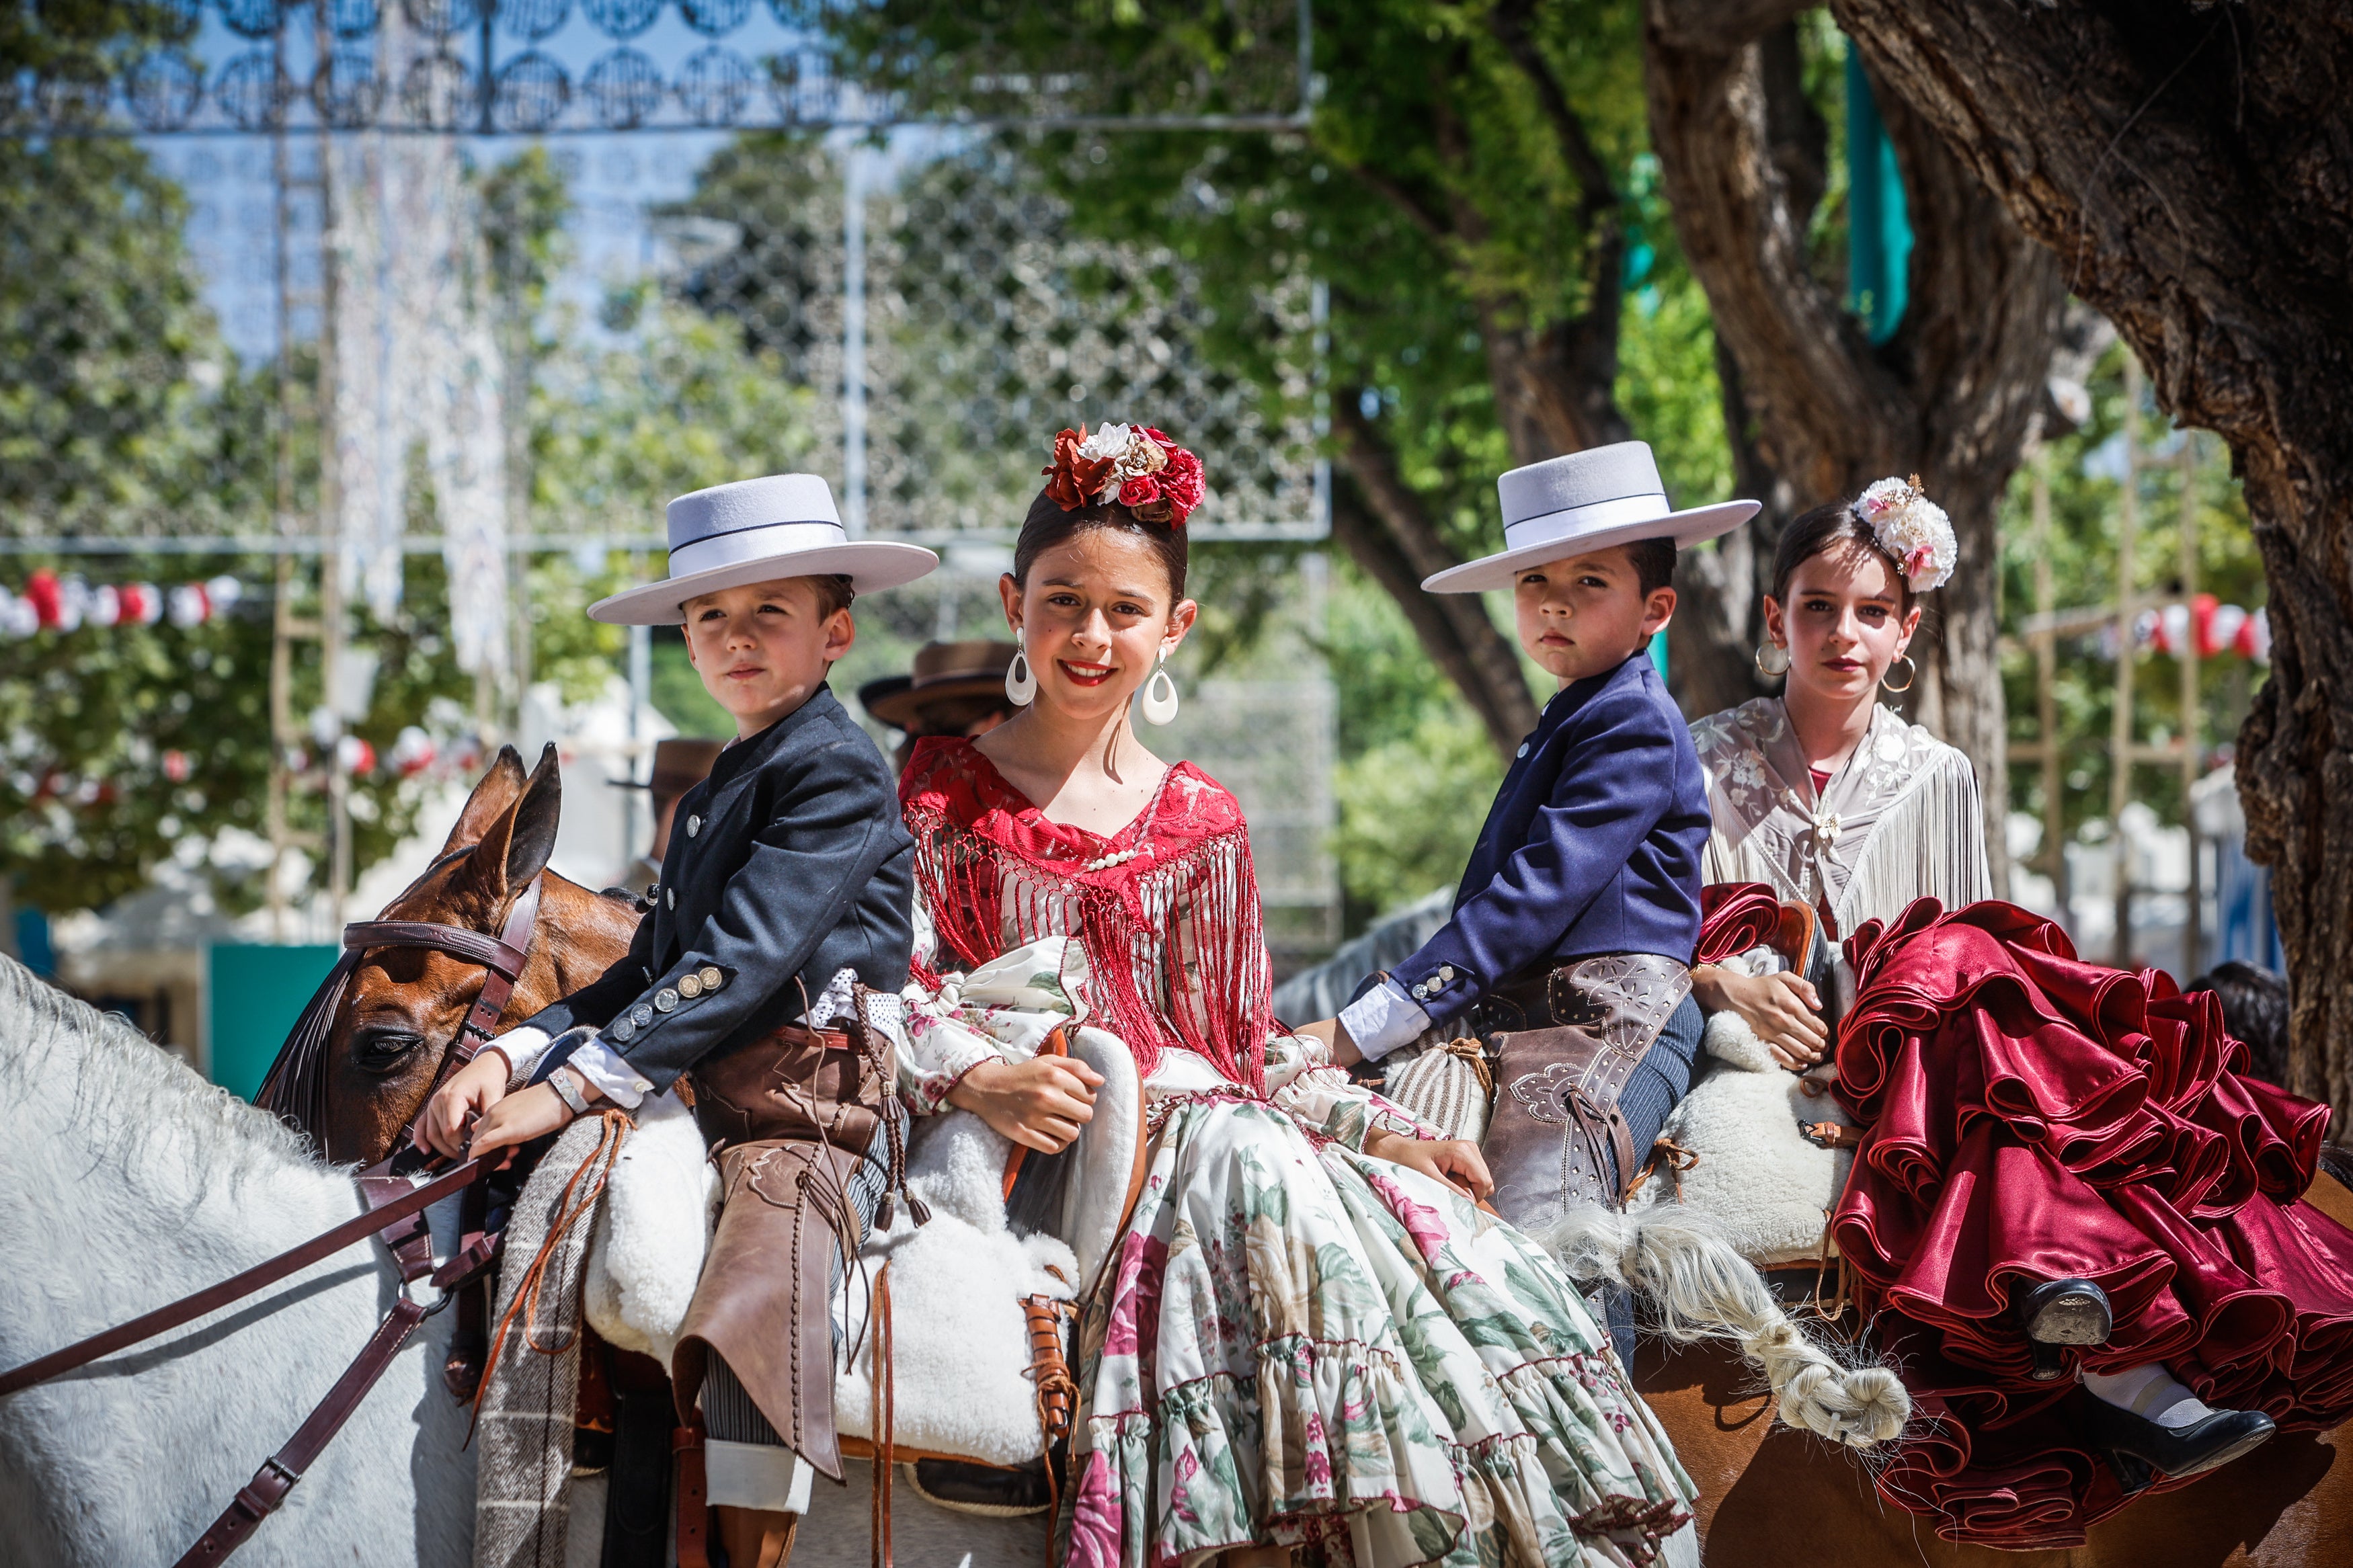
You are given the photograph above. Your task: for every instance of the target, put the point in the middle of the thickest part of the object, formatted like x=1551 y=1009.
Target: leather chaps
x=789 y=1117
x=1566 y=1043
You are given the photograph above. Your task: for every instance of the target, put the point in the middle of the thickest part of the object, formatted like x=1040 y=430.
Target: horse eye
x=383 y=1050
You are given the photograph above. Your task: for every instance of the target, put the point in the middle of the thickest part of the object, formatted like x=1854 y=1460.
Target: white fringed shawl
x=1900 y=820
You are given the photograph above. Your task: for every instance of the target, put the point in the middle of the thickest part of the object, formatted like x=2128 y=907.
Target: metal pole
x=332 y=629
x=2121 y=720
x=853 y=341
x=2192 y=750
x=2046 y=694
x=281 y=647
x=641 y=691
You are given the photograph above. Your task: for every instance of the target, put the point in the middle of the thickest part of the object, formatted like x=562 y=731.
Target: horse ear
x=514 y=848
x=536 y=816
x=500 y=787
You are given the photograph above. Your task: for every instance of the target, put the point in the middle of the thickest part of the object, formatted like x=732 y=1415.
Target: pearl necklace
x=1118 y=858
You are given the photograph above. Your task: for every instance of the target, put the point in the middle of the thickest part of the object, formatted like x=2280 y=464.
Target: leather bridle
x=296 y=1088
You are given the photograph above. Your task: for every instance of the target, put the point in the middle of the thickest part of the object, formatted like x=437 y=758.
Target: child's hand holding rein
x=1040 y=1103
x=470 y=1093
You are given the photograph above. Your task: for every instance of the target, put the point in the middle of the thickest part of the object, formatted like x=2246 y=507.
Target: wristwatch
x=568 y=1091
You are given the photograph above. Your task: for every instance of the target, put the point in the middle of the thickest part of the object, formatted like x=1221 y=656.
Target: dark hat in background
x=944 y=670
x=680 y=764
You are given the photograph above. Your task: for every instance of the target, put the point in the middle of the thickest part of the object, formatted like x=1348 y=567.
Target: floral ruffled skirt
x=1304 y=1346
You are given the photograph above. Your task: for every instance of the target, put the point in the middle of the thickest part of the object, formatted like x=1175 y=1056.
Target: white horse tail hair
x=1700 y=1288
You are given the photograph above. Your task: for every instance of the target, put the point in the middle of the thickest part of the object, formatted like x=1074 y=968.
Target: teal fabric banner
x=1879 y=228
x=253 y=994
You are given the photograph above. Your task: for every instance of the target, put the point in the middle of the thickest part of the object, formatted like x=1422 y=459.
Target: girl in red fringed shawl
x=2071 y=1221
x=1310 y=1341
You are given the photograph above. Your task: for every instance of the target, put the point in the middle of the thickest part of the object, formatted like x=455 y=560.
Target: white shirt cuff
x=523 y=1048
x=608 y=1074
x=1382 y=1019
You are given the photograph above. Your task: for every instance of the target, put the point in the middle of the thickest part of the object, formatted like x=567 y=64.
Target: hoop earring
x=1912 y=674
x=1020 y=681
x=1772 y=660
x=1160 y=708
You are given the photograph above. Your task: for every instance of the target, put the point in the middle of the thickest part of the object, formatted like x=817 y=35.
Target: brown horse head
x=401 y=1010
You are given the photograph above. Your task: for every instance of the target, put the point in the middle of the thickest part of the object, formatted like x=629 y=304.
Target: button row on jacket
x=1430 y=987
x=695 y=983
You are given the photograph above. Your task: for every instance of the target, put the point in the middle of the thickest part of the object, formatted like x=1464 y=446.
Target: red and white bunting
x=49 y=603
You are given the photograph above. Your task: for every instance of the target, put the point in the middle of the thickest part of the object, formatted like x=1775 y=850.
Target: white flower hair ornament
x=1913 y=528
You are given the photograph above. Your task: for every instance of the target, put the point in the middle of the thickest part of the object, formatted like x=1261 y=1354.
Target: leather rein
x=397 y=1191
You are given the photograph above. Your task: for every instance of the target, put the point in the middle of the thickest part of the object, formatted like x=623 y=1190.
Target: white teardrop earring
x=1160 y=694
x=1020 y=681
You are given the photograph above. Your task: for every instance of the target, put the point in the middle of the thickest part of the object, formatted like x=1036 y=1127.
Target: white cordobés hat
x=1581 y=502
x=756 y=530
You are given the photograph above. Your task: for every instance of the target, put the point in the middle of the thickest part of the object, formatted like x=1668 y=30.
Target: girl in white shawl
x=1832 y=800
x=1823 y=792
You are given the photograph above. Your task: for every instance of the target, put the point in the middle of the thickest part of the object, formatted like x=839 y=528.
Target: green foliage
x=1416 y=771
x=97 y=721
x=121 y=411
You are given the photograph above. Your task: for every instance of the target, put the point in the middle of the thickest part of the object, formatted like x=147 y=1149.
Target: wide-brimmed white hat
x=1582 y=502
x=755 y=531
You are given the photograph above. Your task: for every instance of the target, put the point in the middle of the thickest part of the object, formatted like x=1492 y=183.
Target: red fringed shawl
x=1167 y=907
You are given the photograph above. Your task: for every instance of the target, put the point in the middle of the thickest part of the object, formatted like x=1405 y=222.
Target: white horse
x=127 y=1183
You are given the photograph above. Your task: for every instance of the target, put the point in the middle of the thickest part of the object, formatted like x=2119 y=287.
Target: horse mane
x=124 y=1087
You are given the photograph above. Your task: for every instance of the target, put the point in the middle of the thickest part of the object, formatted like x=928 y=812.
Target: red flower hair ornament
x=1134 y=465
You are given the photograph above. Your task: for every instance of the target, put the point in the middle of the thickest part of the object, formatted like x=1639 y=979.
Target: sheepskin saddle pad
x=960 y=1357
x=961 y=1344
x=1752 y=1164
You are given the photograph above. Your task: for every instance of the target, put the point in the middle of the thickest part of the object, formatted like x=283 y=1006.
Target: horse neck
x=121 y=1160
x=580 y=934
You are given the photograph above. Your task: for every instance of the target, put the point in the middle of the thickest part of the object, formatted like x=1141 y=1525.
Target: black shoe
x=2178 y=1451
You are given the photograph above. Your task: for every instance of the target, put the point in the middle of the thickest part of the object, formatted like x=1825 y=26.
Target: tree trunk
x=1386 y=531
x=1949 y=397
x=2190 y=166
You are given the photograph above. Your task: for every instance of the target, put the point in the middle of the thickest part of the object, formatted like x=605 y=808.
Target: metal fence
x=868 y=216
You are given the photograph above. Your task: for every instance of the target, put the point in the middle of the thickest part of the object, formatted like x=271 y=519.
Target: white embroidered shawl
x=1900 y=819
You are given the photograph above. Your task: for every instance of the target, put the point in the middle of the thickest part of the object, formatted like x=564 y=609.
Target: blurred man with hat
x=957 y=688
x=680 y=763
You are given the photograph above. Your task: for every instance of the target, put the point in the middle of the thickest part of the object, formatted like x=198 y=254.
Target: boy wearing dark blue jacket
x=1573 y=929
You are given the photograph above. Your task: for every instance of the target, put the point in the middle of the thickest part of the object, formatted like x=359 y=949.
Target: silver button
x=669 y=897
x=693 y=826
x=641 y=1015
x=690 y=986
x=625 y=1031
x=1524 y=748
x=1420 y=992
x=665 y=1000
x=711 y=977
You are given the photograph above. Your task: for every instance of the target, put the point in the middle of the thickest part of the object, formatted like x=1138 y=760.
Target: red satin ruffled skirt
x=2034 y=1117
